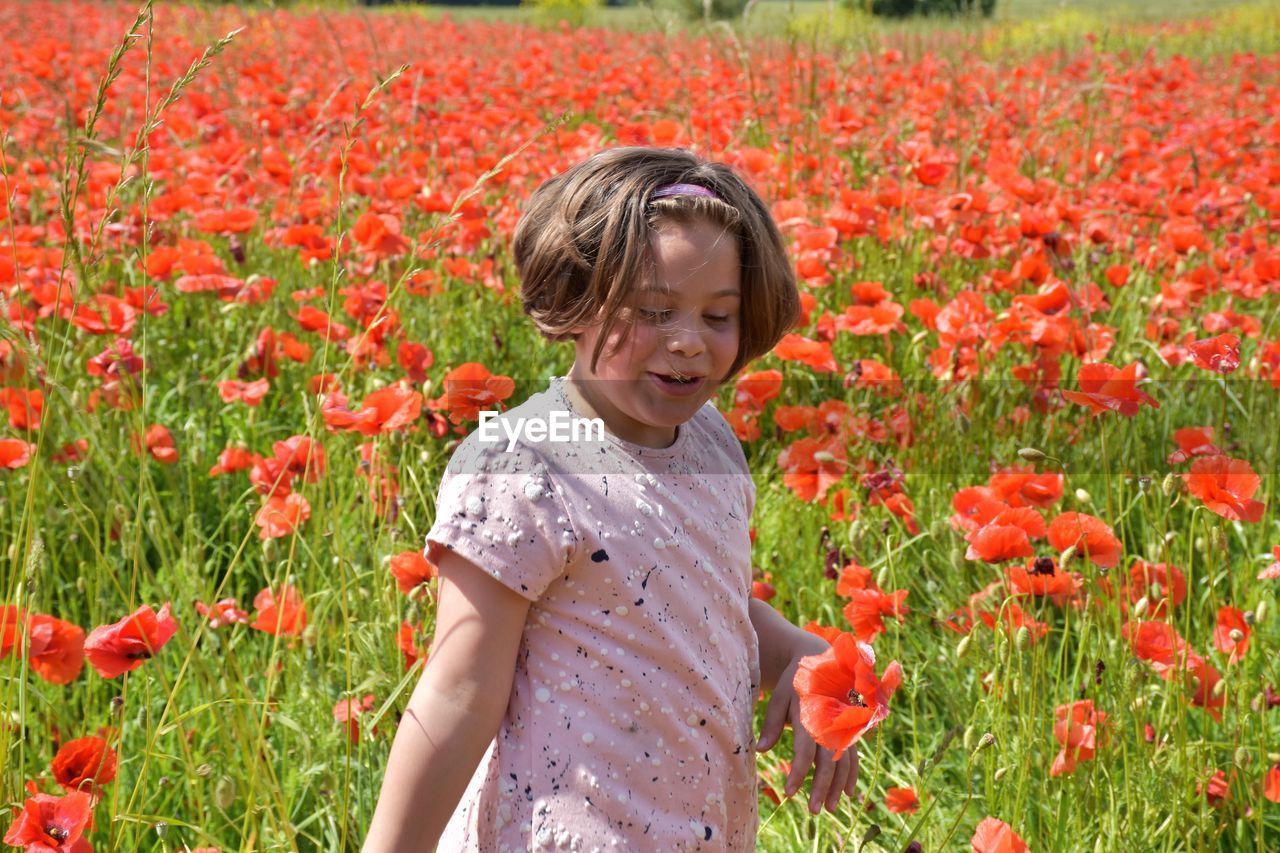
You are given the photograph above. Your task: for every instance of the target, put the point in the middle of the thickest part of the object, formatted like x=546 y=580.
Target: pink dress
x=630 y=720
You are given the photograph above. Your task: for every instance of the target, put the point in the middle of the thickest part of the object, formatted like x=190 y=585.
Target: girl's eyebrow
x=662 y=291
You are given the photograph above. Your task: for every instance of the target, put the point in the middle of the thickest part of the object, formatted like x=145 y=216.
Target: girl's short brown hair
x=583 y=242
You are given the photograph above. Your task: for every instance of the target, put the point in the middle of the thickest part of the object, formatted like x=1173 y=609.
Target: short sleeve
x=738 y=457
x=505 y=513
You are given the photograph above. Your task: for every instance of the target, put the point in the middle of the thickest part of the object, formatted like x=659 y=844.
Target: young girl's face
x=685 y=326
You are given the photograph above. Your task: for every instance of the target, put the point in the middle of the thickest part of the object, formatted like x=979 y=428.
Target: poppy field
x=256 y=284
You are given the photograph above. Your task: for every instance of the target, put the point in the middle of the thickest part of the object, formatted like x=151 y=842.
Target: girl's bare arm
x=455 y=710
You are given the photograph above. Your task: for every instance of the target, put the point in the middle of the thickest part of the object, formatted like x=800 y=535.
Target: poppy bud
x=1140 y=607
x=1242 y=758
x=204 y=771
x=967 y=740
x=962 y=647
x=1219 y=689
x=1001 y=771
x=1083 y=497
x=1020 y=638
x=1171 y=485
x=872 y=833
x=882 y=577
x=224 y=794
x=1273 y=757
x=1067 y=556
x=1032 y=455
x=824 y=456
x=1260 y=614
x=1155 y=592
x=987 y=739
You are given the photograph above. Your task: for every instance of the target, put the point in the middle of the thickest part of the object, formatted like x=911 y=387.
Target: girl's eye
x=655 y=315
x=717 y=319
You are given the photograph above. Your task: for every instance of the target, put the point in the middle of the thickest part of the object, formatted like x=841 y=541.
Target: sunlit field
x=257 y=283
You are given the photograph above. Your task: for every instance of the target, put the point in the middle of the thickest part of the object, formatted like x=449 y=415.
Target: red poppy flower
x=126 y=645
x=224 y=612
x=1105 y=387
x=87 y=761
x=302 y=456
x=1216 y=788
x=901 y=800
x=996 y=543
x=1193 y=441
x=996 y=836
x=348 y=711
x=158 y=442
x=854 y=577
x=1271 y=784
x=233 y=459
x=1091 y=536
x=1159 y=644
x=1164 y=586
x=812 y=466
x=868 y=607
x=411 y=569
x=1077 y=728
x=414 y=358
x=1220 y=354
x=49 y=824
x=470 y=387
x=284 y=615
x=816 y=354
x=406 y=641
x=57 y=648
x=841 y=697
x=1041 y=577
x=1231 y=634
x=753 y=390
x=1020 y=487
x=249 y=393
x=281 y=516
x=15 y=453
x=1226 y=486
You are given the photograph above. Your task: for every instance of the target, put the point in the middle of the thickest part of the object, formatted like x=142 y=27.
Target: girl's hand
x=830 y=778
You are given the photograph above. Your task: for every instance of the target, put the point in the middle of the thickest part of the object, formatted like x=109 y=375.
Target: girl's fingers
x=839 y=782
x=823 y=771
x=775 y=715
x=801 y=762
x=851 y=789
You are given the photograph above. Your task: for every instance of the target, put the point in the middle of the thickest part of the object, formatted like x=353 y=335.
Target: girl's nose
x=684 y=340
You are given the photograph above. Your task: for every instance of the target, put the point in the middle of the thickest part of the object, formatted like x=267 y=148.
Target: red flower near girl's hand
x=841 y=697
x=50 y=823
x=126 y=645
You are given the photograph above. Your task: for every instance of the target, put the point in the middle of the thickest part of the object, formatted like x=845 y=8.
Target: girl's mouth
x=675 y=385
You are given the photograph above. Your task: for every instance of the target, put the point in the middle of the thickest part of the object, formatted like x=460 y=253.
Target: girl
x=597 y=652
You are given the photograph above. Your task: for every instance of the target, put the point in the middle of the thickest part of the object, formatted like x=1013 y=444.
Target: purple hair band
x=682 y=189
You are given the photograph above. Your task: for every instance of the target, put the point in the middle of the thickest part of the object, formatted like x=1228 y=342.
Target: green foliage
x=715 y=10
x=909 y=8
x=574 y=12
